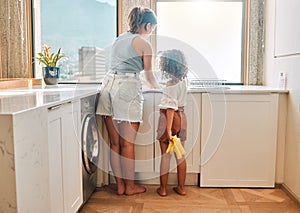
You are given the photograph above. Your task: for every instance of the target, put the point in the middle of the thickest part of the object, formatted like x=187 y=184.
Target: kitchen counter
x=24 y=141
x=24 y=137
x=228 y=89
x=18 y=100
x=240 y=89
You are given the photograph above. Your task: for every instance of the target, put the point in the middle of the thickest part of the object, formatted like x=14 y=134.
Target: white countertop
x=17 y=100
x=230 y=90
x=241 y=89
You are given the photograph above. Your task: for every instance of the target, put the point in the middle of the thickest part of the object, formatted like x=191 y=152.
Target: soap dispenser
x=282 y=80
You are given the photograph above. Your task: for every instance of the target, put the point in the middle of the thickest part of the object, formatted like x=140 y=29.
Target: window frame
x=245 y=36
x=33 y=22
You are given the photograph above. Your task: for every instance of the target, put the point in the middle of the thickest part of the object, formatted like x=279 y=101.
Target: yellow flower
x=49 y=59
x=47 y=50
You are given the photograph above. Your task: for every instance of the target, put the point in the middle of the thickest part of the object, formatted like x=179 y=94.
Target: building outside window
x=83 y=29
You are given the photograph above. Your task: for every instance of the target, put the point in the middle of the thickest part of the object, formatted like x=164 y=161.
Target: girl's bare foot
x=136 y=189
x=179 y=190
x=162 y=192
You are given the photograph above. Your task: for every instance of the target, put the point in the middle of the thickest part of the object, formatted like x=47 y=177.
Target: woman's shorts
x=121 y=97
x=179 y=126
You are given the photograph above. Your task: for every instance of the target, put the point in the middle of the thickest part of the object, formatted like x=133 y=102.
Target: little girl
x=172 y=120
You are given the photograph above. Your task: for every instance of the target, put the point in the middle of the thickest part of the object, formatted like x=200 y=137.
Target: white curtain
x=13 y=39
x=256 y=42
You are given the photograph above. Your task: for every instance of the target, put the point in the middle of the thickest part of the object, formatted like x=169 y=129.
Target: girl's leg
x=128 y=133
x=181 y=175
x=164 y=169
x=115 y=153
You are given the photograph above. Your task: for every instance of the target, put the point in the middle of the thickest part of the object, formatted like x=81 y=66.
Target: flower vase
x=51 y=75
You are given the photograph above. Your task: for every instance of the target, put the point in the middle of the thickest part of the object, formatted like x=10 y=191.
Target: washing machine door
x=90 y=143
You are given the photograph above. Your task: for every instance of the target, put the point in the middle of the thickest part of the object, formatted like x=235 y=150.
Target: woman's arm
x=144 y=49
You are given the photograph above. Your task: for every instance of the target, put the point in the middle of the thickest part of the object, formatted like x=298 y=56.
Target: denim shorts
x=121 y=97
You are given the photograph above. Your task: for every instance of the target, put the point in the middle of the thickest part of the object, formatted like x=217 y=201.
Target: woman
x=121 y=100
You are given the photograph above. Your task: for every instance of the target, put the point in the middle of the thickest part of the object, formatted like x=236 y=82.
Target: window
x=83 y=29
x=211 y=34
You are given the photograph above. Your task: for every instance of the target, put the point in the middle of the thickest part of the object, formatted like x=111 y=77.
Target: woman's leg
x=127 y=138
x=164 y=169
x=115 y=153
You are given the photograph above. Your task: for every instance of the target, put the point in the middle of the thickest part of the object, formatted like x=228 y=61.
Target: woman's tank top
x=123 y=56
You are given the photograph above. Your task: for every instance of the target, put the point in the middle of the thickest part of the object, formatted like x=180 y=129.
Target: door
x=90 y=143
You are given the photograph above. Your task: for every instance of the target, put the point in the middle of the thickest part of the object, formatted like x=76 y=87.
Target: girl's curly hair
x=173 y=64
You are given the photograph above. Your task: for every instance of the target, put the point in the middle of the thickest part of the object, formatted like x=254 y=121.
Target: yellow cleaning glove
x=175 y=145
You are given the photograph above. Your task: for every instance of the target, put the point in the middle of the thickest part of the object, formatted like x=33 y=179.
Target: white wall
x=289 y=64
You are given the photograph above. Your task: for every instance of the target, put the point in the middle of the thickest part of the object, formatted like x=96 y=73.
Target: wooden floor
x=205 y=200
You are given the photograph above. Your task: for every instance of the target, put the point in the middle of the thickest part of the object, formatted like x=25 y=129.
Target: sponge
x=175 y=145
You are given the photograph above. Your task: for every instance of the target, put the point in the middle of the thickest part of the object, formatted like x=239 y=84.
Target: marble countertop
x=17 y=100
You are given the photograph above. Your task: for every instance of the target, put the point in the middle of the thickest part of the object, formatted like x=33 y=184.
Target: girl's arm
x=169 y=115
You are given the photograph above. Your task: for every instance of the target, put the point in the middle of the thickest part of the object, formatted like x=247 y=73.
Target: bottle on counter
x=282 y=80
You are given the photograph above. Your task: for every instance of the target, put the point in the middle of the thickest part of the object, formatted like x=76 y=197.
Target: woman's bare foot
x=121 y=188
x=179 y=190
x=136 y=189
x=162 y=192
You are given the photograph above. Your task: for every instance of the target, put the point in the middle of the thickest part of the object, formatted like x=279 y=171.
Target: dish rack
x=206 y=83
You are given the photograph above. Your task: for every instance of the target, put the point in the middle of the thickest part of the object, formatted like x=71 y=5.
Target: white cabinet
x=238 y=140
x=147 y=149
x=65 y=171
x=192 y=144
x=144 y=144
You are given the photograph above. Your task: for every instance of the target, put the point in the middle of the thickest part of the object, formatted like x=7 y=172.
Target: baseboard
x=291 y=194
x=143 y=178
x=278 y=185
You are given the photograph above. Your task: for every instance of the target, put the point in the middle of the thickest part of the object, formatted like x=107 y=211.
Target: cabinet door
x=144 y=144
x=55 y=158
x=238 y=140
x=71 y=157
x=65 y=173
x=192 y=144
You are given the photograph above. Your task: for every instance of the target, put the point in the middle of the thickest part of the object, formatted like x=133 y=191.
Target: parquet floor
x=203 y=200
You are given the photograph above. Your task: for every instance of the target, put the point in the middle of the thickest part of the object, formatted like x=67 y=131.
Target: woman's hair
x=173 y=64
x=140 y=16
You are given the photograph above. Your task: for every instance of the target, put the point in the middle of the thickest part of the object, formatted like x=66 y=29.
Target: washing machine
x=90 y=145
